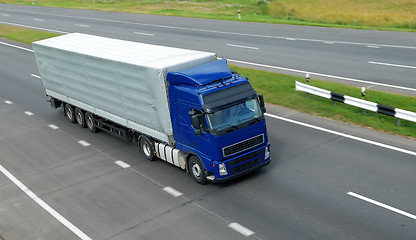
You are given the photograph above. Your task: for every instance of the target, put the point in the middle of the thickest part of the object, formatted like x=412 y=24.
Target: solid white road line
x=145 y=34
x=29 y=113
x=38 y=28
x=54 y=127
x=44 y=205
x=241 y=46
x=241 y=229
x=344 y=135
x=8 y=102
x=322 y=75
x=122 y=164
x=84 y=143
x=391 y=65
x=172 y=191
x=382 y=205
x=22 y=48
x=373 y=46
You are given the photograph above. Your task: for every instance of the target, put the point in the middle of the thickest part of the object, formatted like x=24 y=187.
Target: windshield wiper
x=231 y=128
x=254 y=120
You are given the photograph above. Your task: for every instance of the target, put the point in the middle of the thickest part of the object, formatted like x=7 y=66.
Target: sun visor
x=201 y=75
x=228 y=97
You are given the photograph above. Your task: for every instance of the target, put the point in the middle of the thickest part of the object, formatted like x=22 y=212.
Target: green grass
x=23 y=35
x=279 y=89
x=365 y=14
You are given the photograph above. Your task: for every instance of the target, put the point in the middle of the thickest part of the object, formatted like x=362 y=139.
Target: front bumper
x=218 y=180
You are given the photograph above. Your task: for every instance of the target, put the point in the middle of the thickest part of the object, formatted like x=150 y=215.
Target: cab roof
x=201 y=75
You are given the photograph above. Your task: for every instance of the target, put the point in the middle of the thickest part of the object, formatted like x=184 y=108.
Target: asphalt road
x=307 y=192
x=365 y=58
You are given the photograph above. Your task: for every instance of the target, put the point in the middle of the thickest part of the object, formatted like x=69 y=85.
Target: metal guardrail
x=367 y=105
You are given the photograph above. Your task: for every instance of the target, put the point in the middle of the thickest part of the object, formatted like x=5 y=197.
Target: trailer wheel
x=69 y=112
x=80 y=117
x=147 y=148
x=90 y=122
x=196 y=168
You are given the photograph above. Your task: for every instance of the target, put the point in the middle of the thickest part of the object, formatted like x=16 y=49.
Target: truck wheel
x=146 y=147
x=90 y=122
x=80 y=117
x=196 y=168
x=69 y=112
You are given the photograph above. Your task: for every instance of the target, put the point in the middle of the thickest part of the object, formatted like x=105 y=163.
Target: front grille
x=241 y=146
x=245 y=166
x=245 y=158
x=255 y=159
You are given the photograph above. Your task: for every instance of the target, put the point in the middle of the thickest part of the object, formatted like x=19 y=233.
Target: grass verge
x=23 y=35
x=399 y=15
x=279 y=89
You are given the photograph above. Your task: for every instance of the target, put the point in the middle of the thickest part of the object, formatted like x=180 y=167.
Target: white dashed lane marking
x=241 y=229
x=54 y=127
x=172 y=191
x=122 y=164
x=84 y=143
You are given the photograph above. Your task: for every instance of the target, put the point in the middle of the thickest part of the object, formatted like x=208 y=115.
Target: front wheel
x=147 y=148
x=196 y=168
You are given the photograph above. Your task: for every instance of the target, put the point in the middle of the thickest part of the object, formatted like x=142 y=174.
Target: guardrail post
x=398 y=122
x=362 y=96
x=307 y=80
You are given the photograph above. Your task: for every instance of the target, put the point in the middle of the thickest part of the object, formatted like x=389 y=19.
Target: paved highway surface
x=378 y=58
x=334 y=182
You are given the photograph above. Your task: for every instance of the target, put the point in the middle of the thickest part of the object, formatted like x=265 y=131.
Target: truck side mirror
x=262 y=106
x=196 y=123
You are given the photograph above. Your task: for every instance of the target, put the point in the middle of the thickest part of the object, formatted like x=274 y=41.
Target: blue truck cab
x=218 y=122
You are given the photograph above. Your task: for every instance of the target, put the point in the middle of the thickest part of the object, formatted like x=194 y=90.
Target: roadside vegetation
x=279 y=89
x=367 y=14
x=23 y=35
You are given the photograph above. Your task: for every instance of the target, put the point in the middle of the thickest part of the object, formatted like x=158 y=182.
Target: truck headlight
x=223 y=169
x=267 y=153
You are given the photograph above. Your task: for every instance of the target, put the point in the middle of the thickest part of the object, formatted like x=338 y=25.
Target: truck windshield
x=231 y=117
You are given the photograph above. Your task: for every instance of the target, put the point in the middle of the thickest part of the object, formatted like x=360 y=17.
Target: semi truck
x=185 y=107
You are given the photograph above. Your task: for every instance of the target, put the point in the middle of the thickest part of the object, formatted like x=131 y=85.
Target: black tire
x=90 y=122
x=146 y=147
x=197 y=170
x=80 y=117
x=69 y=112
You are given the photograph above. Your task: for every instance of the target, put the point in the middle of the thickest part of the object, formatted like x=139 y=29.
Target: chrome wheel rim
x=69 y=112
x=146 y=149
x=196 y=170
x=90 y=122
